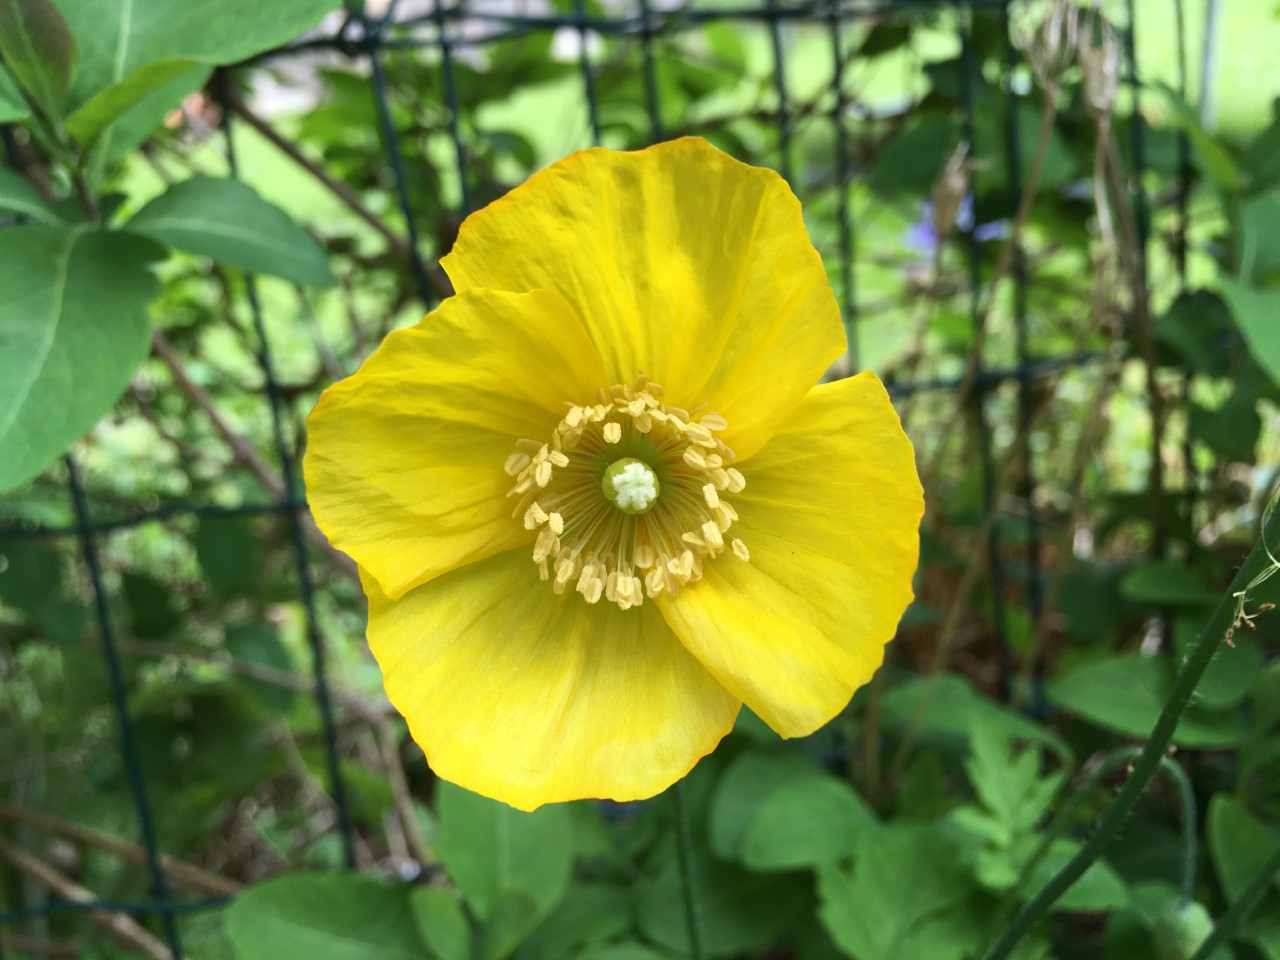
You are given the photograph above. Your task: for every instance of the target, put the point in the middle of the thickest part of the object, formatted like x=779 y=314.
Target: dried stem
x=189 y=875
x=123 y=927
x=246 y=454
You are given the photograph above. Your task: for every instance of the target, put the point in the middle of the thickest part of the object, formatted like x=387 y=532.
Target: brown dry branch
x=186 y=874
x=245 y=454
x=121 y=926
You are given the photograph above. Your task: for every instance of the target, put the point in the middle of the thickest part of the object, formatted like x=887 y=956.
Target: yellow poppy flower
x=595 y=498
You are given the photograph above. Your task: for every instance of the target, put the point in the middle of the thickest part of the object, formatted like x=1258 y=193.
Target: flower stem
x=1222 y=621
x=684 y=852
x=1240 y=907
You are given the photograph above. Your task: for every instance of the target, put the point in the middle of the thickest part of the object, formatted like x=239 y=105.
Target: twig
x=390 y=751
x=439 y=282
x=187 y=874
x=246 y=454
x=123 y=927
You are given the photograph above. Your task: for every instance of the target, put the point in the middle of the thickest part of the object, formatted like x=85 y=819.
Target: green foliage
x=913 y=826
x=73 y=327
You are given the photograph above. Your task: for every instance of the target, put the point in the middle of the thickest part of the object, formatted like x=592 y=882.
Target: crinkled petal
x=404 y=464
x=529 y=697
x=683 y=263
x=830 y=514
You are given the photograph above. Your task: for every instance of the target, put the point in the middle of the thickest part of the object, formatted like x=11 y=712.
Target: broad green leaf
x=911 y=161
x=153 y=611
x=31 y=582
x=514 y=915
x=13 y=108
x=1166 y=584
x=37 y=47
x=1257 y=313
x=622 y=951
x=91 y=119
x=1213 y=157
x=1238 y=845
x=1258 y=239
x=1098 y=890
x=258 y=642
x=73 y=327
x=1126 y=693
x=1232 y=671
x=442 y=923
x=953 y=708
x=491 y=850
x=742 y=912
x=1232 y=430
x=741 y=792
x=340 y=917
x=589 y=913
x=136 y=123
x=227 y=221
x=230 y=554
x=900 y=900
x=806 y=823
x=129 y=48
x=19 y=196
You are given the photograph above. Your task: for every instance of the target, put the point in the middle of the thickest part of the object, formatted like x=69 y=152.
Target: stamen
x=626 y=496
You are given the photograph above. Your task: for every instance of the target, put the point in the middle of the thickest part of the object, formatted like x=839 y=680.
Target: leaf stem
x=684 y=853
x=1148 y=761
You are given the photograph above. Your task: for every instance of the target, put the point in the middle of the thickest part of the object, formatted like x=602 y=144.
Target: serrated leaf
x=73 y=328
x=347 y=917
x=37 y=47
x=19 y=196
x=227 y=221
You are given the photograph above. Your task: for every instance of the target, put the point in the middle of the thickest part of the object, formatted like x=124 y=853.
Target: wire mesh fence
x=399 y=46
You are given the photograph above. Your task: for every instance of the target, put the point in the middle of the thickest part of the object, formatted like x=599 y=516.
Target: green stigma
x=630 y=485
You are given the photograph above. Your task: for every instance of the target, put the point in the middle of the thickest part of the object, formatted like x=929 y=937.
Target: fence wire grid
x=449 y=29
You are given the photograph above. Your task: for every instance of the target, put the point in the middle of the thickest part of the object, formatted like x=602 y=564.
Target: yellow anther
x=515 y=463
x=710 y=496
x=612 y=432
x=535 y=517
x=556 y=523
x=737 y=483
x=740 y=549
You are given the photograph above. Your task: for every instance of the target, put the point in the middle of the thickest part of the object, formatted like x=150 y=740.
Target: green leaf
x=741 y=792
x=1098 y=890
x=1232 y=430
x=490 y=850
x=154 y=613
x=1257 y=314
x=911 y=161
x=514 y=915
x=1009 y=784
x=1239 y=844
x=106 y=106
x=741 y=912
x=1258 y=239
x=346 y=917
x=806 y=822
x=227 y=221
x=13 y=108
x=588 y=914
x=129 y=51
x=230 y=554
x=1213 y=158
x=258 y=642
x=1166 y=584
x=1126 y=694
x=37 y=47
x=441 y=923
x=73 y=327
x=1232 y=671
x=900 y=901
x=19 y=196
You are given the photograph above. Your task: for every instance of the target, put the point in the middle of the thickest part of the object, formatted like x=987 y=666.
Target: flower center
x=625 y=496
x=631 y=485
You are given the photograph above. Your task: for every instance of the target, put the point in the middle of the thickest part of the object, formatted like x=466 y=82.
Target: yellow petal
x=529 y=697
x=683 y=263
x=830 y=514
x=404 y=464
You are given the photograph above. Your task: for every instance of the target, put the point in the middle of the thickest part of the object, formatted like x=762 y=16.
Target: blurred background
x=1054 y=231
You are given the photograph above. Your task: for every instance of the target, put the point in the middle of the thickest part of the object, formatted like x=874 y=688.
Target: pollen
x=627 y=496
